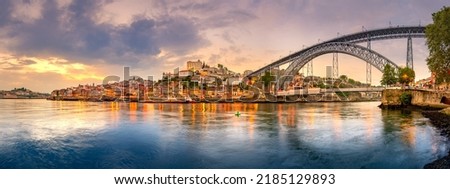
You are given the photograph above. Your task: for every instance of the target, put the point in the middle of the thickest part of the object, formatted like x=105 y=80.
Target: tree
x=389 y=76
x=320 y=84
x=438 y=42
x=267 y=78
x=351 y=81
x=343 y=78
x=406 y=75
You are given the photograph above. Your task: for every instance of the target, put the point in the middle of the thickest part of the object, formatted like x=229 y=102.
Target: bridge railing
x=316 y=91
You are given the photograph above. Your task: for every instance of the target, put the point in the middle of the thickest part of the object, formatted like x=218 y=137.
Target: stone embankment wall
x=420 y=97
x=391 y=97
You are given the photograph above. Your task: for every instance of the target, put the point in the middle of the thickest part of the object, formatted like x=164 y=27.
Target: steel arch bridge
x=375 y=59
x=347 y=44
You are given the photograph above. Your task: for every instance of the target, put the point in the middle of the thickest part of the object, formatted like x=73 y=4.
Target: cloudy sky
x=50 y=44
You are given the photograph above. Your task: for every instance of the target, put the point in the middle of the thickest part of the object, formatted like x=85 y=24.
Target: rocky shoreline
x=442 y=122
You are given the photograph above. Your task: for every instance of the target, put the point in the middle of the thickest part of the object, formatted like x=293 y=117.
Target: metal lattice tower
x=309 y=68
x=368 y=66
x=335 y=66
x=409 y=54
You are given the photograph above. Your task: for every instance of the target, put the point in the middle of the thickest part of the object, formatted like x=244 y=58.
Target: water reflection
x=49 y=134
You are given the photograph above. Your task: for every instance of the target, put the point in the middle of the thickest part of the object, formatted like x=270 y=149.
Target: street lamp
x=405 y=77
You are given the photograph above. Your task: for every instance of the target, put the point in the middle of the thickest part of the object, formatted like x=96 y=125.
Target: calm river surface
x=51 y=134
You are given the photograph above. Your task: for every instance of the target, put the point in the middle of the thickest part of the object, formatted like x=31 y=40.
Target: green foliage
x=389 y=76
x=406 y=75
x=343 y=94
x=320 y=84
x=267 y=78
x=438 y=42
x=343 y=78
x=405 y=98
x=351 y=81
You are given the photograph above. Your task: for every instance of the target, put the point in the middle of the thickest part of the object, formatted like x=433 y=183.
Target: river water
x=55 y=134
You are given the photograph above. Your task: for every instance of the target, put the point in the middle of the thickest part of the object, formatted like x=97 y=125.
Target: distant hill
x=22 y=93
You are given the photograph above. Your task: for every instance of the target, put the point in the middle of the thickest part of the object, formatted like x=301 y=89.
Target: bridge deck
x=323 y=91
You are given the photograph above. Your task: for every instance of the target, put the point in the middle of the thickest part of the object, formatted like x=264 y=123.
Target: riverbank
x=434 y=105
x=440 y=120
x=24 y=98
x=422 y=107
x=219 y=101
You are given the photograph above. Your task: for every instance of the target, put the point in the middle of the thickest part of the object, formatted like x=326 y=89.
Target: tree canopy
x=389 y=76
x=267 y=78
x=438 y=42
x=343 y=78
x=406 y=75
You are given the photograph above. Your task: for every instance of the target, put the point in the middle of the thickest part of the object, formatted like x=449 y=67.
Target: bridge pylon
x=409 y=54
x=368 y=66
x=335 y=66
x=309 y=68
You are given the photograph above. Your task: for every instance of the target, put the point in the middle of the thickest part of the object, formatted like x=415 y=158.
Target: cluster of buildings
x=81 y=92
x=430 y=83
x=22 y=93
x=199 y=81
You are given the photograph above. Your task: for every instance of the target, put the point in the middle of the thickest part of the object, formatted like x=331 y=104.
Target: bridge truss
x=375 y=59
x=347 y=44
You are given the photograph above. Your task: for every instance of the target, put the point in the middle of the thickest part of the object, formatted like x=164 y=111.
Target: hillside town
x=22 y=93
x=197 y=82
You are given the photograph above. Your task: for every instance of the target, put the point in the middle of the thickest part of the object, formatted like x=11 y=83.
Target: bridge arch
x=375 y=59
x=371 y=35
